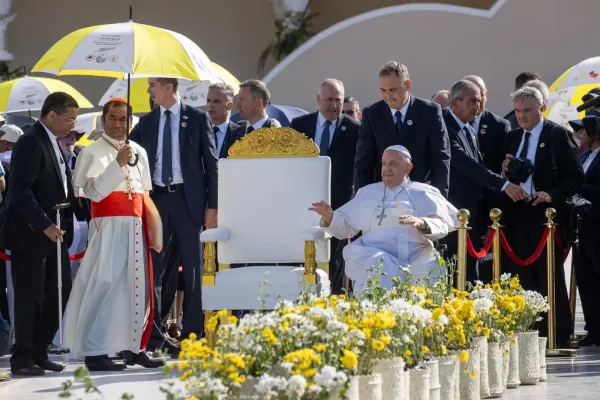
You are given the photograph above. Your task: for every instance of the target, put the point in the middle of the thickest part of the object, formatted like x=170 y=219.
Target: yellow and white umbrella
x=584 y=73
x=192 y=93
x=116 y=50
x=28 y=93
x=90 y=122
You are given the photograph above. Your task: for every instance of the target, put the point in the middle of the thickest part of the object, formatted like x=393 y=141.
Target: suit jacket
x=228 y=141
x=423 y=134
x=491 y=136
x=35 y=188
x=569 y=177
x=468 y=174
x=341 y=151
x=239 y=132
x=591 y=192
x=197 y=155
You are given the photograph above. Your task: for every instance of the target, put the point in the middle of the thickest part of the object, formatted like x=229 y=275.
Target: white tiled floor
x=568 y=378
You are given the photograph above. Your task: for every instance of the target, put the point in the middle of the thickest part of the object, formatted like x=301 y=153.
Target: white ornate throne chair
x=266 y=185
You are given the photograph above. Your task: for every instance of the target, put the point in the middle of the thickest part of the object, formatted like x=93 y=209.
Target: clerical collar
x=112 y=141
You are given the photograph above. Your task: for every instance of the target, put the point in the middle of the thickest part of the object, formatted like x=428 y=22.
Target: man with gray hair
x=541 y=87
x=219 y=102
x=542 y=158
x=441 y=97
x=336 y=135
x=401 y=118
x=520 y=81
x=468 y=173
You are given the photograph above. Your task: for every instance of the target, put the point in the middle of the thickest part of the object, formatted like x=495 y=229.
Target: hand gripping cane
x=59 y=207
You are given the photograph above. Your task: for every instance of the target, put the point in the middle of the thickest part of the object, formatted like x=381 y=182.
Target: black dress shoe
x=50 y=365
x=29 y=369
x=142 y=358
x=102 y=363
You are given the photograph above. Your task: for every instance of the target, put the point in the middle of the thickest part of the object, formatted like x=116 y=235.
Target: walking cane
x=59 y=207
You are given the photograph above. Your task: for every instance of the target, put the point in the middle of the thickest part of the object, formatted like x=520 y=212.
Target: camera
x=578 y=206
x=519 y=170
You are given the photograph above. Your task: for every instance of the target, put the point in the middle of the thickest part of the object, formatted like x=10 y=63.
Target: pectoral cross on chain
x=381 y=216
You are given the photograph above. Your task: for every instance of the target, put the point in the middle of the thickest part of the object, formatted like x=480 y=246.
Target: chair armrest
x=215 y=235
x=315 y=233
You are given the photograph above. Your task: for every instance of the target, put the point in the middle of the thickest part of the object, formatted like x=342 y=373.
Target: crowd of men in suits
x=457 y=145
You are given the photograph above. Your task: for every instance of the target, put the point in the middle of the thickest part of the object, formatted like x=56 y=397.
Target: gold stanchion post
x=495 y=215
x=461 y=279
x=552 y=351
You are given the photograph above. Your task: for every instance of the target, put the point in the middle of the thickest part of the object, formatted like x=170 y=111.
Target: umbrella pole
x=137 y=156
x=29 y=112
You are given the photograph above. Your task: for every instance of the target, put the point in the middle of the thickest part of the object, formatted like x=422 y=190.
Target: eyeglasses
x=349 y=112
x=69 y=120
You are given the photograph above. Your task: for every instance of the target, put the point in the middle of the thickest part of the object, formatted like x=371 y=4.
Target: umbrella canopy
x=228 y=78
x=28 y=93
x=192 y=93
x=586 y=72
x=116 y=50
x=90 y=122
x=284 y=114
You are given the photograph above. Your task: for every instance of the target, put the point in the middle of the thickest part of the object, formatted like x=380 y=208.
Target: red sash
x=118 y=204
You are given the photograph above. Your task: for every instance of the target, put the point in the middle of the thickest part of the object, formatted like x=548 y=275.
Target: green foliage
x=6 y=74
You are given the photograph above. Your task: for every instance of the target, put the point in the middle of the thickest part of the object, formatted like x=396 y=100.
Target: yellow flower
x=185 y=375
x=349 y=359
x=437 y=313
x=320 y=347
x=310 y=372
x=444 y=350
x=473 y=375
x=464 y=357
x=407 y=353
x=183 y=365
x=451 y=336
x=385 y=339
x=193 y=336
x=424 y=350
x=191 y=398
x=378 y=345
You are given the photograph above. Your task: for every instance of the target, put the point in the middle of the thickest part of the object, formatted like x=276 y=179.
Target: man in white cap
x=398 y=218
x=9 y=134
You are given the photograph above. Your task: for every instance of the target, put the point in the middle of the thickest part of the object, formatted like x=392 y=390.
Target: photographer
x=587 y=270
x=542 y=157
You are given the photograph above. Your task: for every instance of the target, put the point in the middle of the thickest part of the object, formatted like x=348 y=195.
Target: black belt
x=168 y=189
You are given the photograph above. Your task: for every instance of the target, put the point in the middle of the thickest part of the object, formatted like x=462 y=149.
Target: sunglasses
x=349 y=112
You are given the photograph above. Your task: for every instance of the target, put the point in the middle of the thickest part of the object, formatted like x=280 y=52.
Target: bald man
x=441 y=97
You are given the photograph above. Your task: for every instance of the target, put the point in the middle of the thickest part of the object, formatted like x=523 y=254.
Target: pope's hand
x=124 y=155
x=415 y=222
x=54 y=233
x=324 y=210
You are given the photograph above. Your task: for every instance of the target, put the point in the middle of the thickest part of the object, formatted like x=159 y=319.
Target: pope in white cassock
x=110 y=307
x=399 y=220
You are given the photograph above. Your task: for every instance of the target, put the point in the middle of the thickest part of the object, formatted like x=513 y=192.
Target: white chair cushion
x=264 y=202
x=241 y=288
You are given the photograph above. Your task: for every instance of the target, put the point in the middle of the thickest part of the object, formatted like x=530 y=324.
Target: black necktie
x=250 y=129
x=325 y=138
x=398 y=115
x=523 y=153
x=167 y=162
x=469 y=133
x=215 y=131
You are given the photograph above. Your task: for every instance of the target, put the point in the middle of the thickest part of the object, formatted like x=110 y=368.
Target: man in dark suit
x=39 y=181
x=401 y=118
x=183 y=161
x=336 y=135
x=253 y=99
x=219 y=103
x=468 y=174
x=554 y=174
x=587 y=269
x=520 y=81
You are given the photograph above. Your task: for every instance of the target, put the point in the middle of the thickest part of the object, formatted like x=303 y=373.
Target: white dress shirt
x=404 y=110
x=258 y=124
x=589 y=160
x=59 y=157
x=221 y=133
x=534 y=138
x=319 y=129
x=175 y=117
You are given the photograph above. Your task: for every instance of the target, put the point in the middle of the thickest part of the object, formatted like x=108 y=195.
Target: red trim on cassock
x=118 y=204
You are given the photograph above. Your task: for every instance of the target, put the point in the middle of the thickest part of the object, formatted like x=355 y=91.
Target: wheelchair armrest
x=315 y=233
x=215 y=235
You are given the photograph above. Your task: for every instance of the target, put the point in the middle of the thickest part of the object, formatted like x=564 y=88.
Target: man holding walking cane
x=40 y=181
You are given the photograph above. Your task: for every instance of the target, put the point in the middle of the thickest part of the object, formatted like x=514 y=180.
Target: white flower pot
x=434 y=378
x=369 y=387
x=542 y=353
x=513 y=380
x=481 y=343
x=505 y=347
x=469 y=385
x=394 y=379
x=529 y=358
x=448 y=368
x=352 y=392
x=247 y=389
x=419 y=384
x=495 y=377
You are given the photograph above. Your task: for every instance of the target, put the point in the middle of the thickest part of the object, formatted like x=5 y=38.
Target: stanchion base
x=574 y=344
x=561 y=353
x=5 y=376
x=578 y=336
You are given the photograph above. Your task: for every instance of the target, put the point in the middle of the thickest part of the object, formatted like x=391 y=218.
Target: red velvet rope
x=533 y=257
x=486 y=246
x=560 y=246
x=72 y=257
